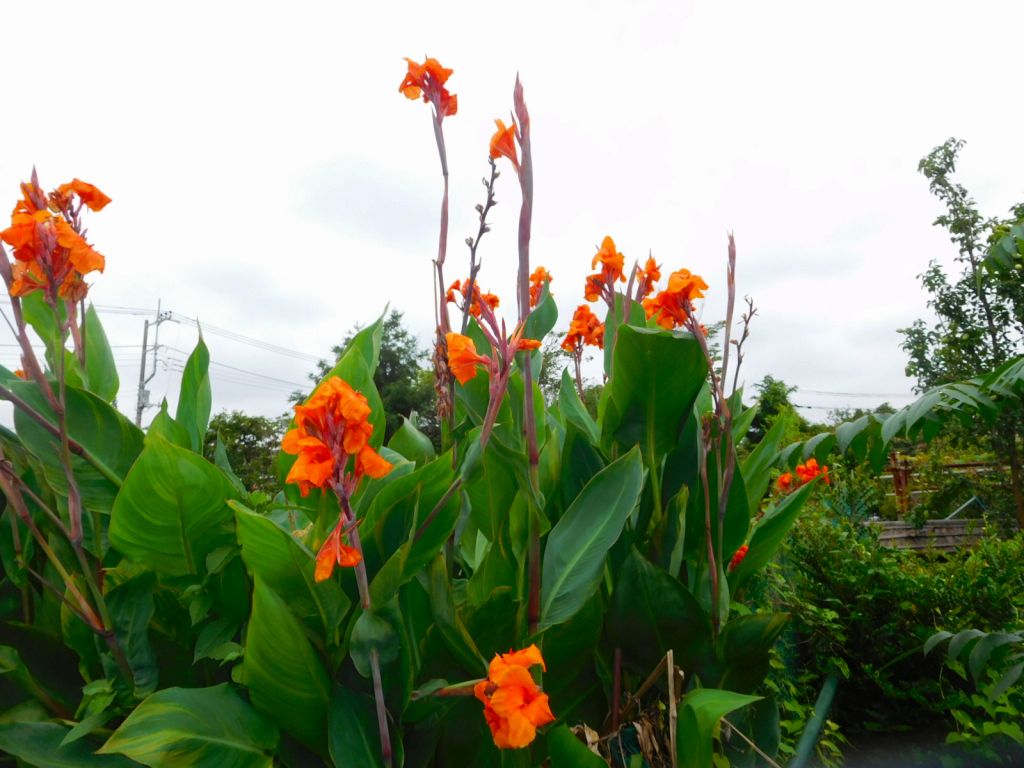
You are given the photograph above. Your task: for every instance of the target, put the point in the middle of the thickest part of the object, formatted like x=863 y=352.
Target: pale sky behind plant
x=269 y=178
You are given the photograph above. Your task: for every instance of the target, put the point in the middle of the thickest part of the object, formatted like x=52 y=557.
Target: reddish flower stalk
x=503 y=146
x=428 y=80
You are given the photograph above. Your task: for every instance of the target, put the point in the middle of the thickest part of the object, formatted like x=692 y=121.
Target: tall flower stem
x=716 y=432
x=530 y=424
x=362 y=583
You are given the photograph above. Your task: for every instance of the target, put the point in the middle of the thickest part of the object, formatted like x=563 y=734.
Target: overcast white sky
x=268 y=177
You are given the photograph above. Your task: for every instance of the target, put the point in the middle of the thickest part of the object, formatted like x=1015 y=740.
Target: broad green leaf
x=699 y=713
x=573 y=411
x=220 y=459
x=653 y=613
x=412 y=444
x=626 y=312
x=111 y=441
x=935 y=639
x=758 y=465
x=819 y=446
x=768 y=535
x=743 y=650
x=542 y=318
x=848 y=432
x=576 y=547
x=100 y=369
x=39 y=744
x=372 y=633
x=41 y=318
x=984 y=649
x=287 y=567
x=448 y=622
x=355 y=738
x=172 y=510
x=656 y=377
x=131 y=608
x=196 y=397
x=285 y=677
x=183 y=727
x=396 y=526
x=736 y=524
x=962 y=640
x=566 y=751
x=491 y=490
x=169 y=429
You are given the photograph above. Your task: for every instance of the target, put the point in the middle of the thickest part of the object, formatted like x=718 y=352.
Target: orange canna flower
x=648 y=276
x=514 y=705
x=19 y=373
x=737 y=558
x=810 y=470
x=50 y=253
x=527 y=344
x=537 y=280
x=669 y=307
x=335 y=552
x=687 y=285
x=585 y=328
x=449 y=295
x=329 y=428
x=503 y=143
x=427 y=80
x=462 y=357
x=785 y=481
x=593 y=288
x=611 y=261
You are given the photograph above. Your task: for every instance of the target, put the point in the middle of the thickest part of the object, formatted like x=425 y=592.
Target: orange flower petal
x=90 y=195
x=503 y=142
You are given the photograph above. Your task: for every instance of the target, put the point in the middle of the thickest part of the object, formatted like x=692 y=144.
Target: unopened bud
x=479 y=208
x=469 y=241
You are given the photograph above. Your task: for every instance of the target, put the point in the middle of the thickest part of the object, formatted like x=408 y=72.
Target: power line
x=854 y=394
x=243 y=339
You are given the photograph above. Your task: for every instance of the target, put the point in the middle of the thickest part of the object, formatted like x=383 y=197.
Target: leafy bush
x=865 y=611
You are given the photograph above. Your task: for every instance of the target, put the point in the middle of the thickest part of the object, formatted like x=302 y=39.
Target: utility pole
x=142 y=402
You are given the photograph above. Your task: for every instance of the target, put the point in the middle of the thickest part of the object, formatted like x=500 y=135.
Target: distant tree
x=402 y=381
x=979 y=313
x=251 y=443
x=773 y=402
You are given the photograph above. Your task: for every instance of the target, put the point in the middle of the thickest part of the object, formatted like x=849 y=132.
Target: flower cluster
x=671 y=308
x=804 y=474
x=585 y=328
x=514 y=705
x=331 y=427
x=45 y=235
x=738 y=556
x=810 y=470
x=537 y=280
x=647 y=277
x=601 y=285
x=461 y=288
x=427 y=80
